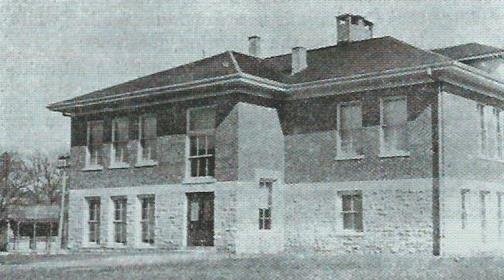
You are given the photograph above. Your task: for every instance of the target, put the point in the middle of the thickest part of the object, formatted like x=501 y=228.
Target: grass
x=284 y=267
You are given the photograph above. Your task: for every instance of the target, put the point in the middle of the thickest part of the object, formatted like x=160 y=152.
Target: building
x=371 y=145
x=33 y=229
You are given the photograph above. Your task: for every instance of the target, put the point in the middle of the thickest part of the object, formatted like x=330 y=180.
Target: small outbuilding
x=33 y=229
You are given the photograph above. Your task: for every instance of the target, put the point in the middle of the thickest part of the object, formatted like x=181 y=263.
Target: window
x=120 y=220
x=94 y=220
x=463 y=201
x=147 y=219
x=266 y=202
x=352 y=211
x=491 y=132
x=201 y=126
x=119 y=151
x=394 y=126
x=483 y=202
x=94 y=143
x=147 y=133
x=500 y=218
x=349 y=128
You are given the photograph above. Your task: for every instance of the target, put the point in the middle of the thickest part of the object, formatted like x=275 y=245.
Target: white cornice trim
x=358 y=82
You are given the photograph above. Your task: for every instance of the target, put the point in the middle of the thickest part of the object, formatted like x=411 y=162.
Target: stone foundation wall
x=397 y=217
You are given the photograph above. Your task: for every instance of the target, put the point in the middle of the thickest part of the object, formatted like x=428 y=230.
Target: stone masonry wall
x=396 y=216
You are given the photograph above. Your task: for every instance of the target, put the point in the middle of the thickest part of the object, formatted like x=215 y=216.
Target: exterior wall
x=310 y=139
x=235 y=217
x=463 y=168
x=397 y=217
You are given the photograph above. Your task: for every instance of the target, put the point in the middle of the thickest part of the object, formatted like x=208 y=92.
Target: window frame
x=96 y=164
x=484 y=213
x=265 y=220
x=146 y=221
x=396 y=153
x=123 y=163
x=141 y=161
x=500 y=214
x=490 y=142
x=357 y=228
x=121 y=236
x=340 y=155
x=96 y=221
x=464 y=194
x=200 y=133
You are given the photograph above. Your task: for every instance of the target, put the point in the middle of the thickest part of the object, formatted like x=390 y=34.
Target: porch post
x=49 y=237
x=34 y=235
x=16 y=236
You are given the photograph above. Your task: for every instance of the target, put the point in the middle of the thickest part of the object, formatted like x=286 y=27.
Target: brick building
x=370 y=146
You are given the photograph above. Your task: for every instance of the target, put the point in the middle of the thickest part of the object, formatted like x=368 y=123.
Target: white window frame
x=121 y=222
x=340 y=155
x=354 y=230
x=464 y=194
x=96 y=221
x=500 y=214
x=150 y=225
x=123 y=162
x=89 y=165
x=198 y=133
x=265 y=213
x=141 y=161
x=397 y=153
x=484 y=213
x=486 y=114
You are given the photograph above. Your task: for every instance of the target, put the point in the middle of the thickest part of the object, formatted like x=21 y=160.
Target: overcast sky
x=54 y=50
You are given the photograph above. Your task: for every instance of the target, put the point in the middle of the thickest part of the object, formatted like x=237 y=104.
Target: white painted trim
x=339 y=153
x=397 y=153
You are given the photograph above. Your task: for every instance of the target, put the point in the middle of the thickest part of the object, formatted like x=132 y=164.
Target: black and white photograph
x=255 y=139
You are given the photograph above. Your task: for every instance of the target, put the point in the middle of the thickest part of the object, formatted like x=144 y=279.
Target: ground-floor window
x=463 y=204
x=483 y=204
x=352 y=211
x=120 y=219
x=94 y=220
x=266 y=203
x=500 y=218
x=147 y=219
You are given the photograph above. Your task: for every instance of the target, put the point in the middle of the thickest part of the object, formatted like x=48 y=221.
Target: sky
x=53 y=50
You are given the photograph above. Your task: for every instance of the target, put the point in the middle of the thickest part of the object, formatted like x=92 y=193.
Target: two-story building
x=370 y=145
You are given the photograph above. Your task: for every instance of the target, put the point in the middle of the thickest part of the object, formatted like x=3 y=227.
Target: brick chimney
x=353 y=28
x=299 y=62
x=254 y=46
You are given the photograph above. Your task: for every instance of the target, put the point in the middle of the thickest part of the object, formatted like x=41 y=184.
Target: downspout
x=437 y=165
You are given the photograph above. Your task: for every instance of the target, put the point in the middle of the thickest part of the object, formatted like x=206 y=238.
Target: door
x=200 y=219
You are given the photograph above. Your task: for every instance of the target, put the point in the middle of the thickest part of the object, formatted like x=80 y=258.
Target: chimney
x=254 y=46
x=299 y=62
x=353 y=28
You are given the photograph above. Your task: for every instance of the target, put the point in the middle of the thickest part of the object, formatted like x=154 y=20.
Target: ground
x=183 y=265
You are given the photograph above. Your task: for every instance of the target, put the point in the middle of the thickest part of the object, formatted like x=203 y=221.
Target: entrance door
x=200 y=219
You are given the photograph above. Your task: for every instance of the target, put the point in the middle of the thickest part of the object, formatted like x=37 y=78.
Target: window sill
x=91 y=246
x=350 y=233
x=349 y=157
x=146 y=163
x=199 y=180
x=395 y=154
x=119 y=165
x=93 y=168
x=491 y=159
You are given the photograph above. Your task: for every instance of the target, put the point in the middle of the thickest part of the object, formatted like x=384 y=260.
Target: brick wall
x=310 y=139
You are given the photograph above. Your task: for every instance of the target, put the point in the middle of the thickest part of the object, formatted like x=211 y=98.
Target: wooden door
x=200 y=219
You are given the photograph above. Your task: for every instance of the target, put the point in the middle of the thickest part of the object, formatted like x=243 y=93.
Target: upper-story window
x=201 y=136
x=349 y=128
x=491 y=122
x=94 y=143
x=119 y=149
x=147 y=133
x=394 y=126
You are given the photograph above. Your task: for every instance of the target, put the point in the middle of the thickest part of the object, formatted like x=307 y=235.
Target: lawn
x=277 y=267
